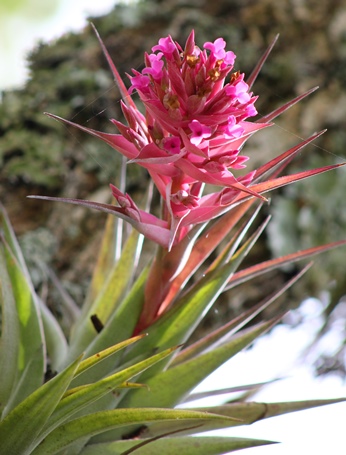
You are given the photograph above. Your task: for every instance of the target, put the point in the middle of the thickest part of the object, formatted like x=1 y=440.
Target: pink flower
x=166 y=45
x=250 y=111
x=218 y=50
x=172 y=144
x=239 y=92
x=233 y=130
x=156 y=65
x=139 y=82
x=199 y=132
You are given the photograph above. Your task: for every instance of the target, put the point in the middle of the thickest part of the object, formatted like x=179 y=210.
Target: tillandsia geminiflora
x=136 y=322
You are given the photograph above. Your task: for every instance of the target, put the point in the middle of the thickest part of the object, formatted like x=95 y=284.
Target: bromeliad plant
x=135 y=322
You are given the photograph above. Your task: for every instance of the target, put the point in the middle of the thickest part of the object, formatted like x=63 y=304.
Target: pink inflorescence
x=193 y=128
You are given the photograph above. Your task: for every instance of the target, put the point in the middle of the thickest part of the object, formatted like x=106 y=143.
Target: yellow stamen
x=192 y=60
x=171 y=101
x=234 y=76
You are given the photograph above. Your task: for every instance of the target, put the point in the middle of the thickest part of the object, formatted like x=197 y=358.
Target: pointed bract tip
x=94 y=28
x=190 y=43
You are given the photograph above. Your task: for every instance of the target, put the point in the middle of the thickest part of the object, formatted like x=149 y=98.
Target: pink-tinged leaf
x=237 y=238
x=164 y=269
x=221 y=178
x=229 y=260
x=270 y=185
x=151 y=227
x=237 y=144
x=175 y=262
x=227 y=253
x=272 y=264
x=161 y=275
x=204 y=246
x=117 y=78
x=214 y=205
x=269 y=117
x=116 y=141
x=253 y=76
x=284 y=157
x=160 y=181
x=153 y=158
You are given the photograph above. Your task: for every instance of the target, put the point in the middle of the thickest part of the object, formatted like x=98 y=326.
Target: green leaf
x=177 y=324
x=10 y=239
x=78 y=398
x=104 y=263
x=201 y=445
x=56 y=342
x=213 y=338
x=243 y=413
x=124 y=319
x=10 y=335
x=31 y=355
x=102 y=355
x=164 y=388
x=119 y=327
x=107 y=300
x=93 y=424
x=250 y=412
x=20 y=428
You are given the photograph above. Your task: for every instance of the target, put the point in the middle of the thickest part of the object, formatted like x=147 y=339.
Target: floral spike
x=193 y=130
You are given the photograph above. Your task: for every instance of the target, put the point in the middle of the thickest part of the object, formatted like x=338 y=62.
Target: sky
x=276 y=355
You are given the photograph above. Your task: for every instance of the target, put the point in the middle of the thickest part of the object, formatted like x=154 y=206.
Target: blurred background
x=25 y=22
x=51 y=61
